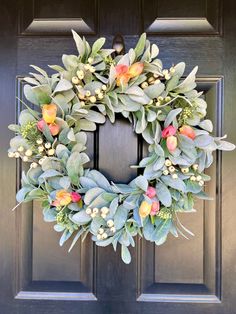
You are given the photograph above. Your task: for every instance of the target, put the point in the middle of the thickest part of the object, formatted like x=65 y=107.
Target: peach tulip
x=54 y=129
x=171 y=143
x=155 y=208
x=49 y=113
x=136 y=69
x=144 y=209
x=63 y=198
x=187 y=131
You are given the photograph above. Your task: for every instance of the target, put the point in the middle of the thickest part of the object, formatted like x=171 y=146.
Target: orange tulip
x=145 y=209
x=49 y=113
x=125 y=73
x=187 y=131
x=136 y=69
x=63 y=198
x=171 y=143
x=54 y=129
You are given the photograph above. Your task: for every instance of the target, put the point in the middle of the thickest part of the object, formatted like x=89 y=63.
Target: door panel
x=193 y=276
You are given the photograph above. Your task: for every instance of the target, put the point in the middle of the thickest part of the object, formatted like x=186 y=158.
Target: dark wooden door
x=196 y=276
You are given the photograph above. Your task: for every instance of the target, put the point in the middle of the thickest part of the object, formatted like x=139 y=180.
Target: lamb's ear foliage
x=90 y=87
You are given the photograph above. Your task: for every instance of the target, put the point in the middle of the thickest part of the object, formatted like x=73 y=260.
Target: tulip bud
x=169 y=131
x=171 y=143
x=187 y=131
x=144 y=209
x=54 y=129
x=151 y=192
x=155 y=208
x=40 y=125
x=49 y=113
x=136 y=69
x=75 y=197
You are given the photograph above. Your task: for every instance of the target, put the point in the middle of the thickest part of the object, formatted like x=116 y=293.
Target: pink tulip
x=121 y=69
x=151 y=192
x=155 y=208
x=171 y=143
x=169 y=131
x=40 y=125
x=75 y=197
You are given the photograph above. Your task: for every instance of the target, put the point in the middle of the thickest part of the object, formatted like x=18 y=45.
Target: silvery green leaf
x=202 y=195
x=92 y=194
x=142 y=183
x=92 y=86
x=112 y=75
x=122 y=188
x=171 y=116
x=206 y=125
x=76 y=238
x=22 y=193
x=224 y=145
x=81 y=137
x=101 y=78
x=31 y=81
x=155 y=90
x=125 y=254
x=172 y=83
x=192 y=186
x=70 y=62
x=74 y=207
x=162 y=231
x=203 y=141
x=95 y=116
x=96 y=223
x=159 y=150
x=159 y=163
x=73 y=167
x=71 y=135
x=113 y=207
x=174 y=183
x=97 y=45
x=100 y=179
x=25 y=117
x=141 y=123
x=120 y=217
x=147 y=134
x=163 y=194
x=57 y=68
x=151 y=116
x=140 y=45
x=33 y=175
x=140 y=99
x=189 y=83
x=49 y=214
x=179 y=69
x=87 y=183
x=104 y=243
x=99 y=201
x=49 y=174
x=42 y=93
x=124 y=60
x=38 y=69
x=135 y=90
x=106 y=52
x=147 y=161
x=81 y=218
x=194 y=121
x=86 y=125
x=61 y=151
x=79 y=43
x=14 y=127
x=148 y=230
x=58 y=228
x=131 y=201
x=154 y=51
x=63 y=85
x=65 y=182
x=132 y=55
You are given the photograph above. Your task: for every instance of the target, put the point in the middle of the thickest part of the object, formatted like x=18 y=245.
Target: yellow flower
x=145 y=209
x=49 y=113
x=63 y=198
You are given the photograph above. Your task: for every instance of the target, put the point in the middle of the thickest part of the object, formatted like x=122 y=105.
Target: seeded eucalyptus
x=162 y=106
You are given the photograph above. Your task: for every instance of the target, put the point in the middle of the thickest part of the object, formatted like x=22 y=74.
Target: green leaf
x=92 y=194
x=73 y=167
x=171 y=116
x=79 y=43
x=63 y=85
x=140 y=45
x=25 y=117
x=177 y=184
x=81 y=218
x=76 y=238
x=120 y=217
x=142 y=183
x=163 y=194
x=155 y=90
x=125 y=254
x=97 y=45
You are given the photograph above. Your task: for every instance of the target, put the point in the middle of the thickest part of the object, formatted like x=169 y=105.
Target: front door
x=196 y=276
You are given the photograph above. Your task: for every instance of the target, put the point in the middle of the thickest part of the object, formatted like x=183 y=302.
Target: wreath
x=165 y=108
